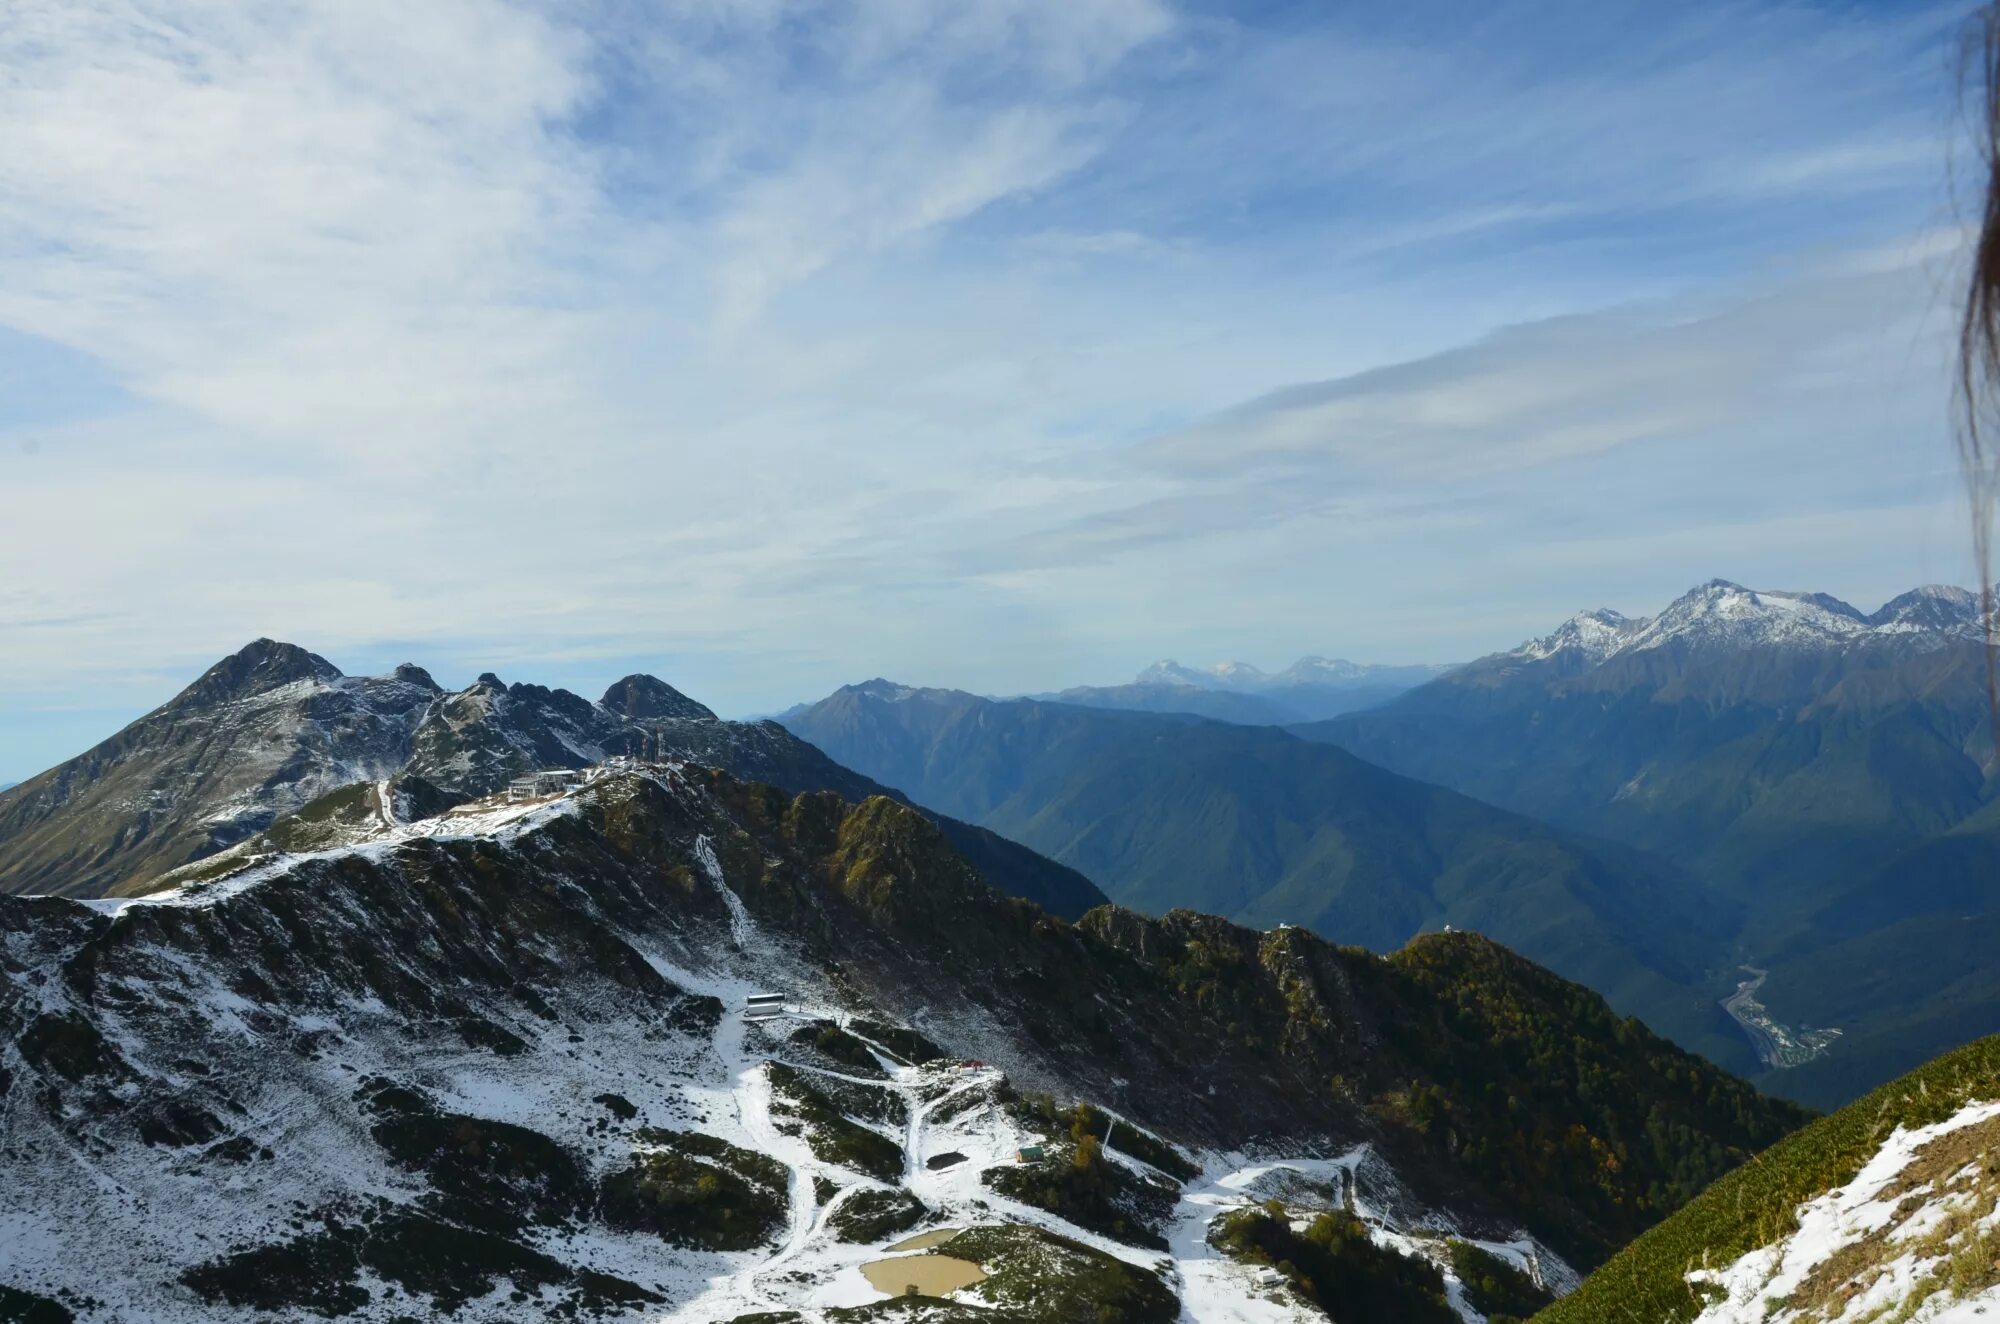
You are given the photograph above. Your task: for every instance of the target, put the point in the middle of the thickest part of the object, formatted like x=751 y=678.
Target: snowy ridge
x=268 y=730
x=1722 y=615
x=1591 y=635
x=223 y=876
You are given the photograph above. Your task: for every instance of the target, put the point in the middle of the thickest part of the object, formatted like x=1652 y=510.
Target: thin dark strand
x=1979 y=338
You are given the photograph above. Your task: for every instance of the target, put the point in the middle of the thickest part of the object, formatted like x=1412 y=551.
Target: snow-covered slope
x=1914 y=1237
x=1887 y=1210
x=496 y=1061
x=431 y=1067
x=1590 y=636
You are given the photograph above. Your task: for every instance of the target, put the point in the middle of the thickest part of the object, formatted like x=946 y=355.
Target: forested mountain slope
x=1266 y=828
x=1825 y=769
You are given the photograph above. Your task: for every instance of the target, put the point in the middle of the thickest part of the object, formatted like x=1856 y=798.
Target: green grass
x=1262 y=827
x=1076 y=1182
x=318 y=823
x=911 y=1310
x=319 y=1272
x=839 y=1047
x=1040 y=1107
x=483 y=1173
x=861 y=1103
x=1756 y=1204
x=18 y=1307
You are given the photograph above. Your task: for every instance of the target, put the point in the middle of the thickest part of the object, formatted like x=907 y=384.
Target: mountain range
x=1253 y=823
x=501 y=1059
x=1309 y=689
x=341 y=1026
x=273 y=727
x=1768 y=791
x=1825 y=769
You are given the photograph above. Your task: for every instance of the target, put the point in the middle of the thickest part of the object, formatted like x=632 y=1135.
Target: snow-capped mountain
x=1826 y=768
x=273 y=727
x=1936 y=608
x=1719 y=616
x=504 y=1059
x=1246 y=678
x=1589 y=636
x=1309 y=689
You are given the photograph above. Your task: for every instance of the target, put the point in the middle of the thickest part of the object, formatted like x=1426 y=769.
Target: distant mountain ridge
x=273 y=728
x=1309 y=689
x=1309 y=670
x=1723 y=615
x=1166 y=810
x=1827 y=768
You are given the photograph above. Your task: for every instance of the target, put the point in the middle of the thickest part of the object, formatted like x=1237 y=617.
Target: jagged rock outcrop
x=273 y=728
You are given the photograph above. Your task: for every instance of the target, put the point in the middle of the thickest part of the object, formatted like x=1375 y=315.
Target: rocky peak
x=257 y=668
x=1590 y=636
x=1941 y=607
x=1722 y=615
x=572 y=707
x=880 y=688
x=412 y=674
x=641 y=697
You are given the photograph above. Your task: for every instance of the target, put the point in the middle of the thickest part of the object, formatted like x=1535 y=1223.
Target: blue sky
x=768 y=346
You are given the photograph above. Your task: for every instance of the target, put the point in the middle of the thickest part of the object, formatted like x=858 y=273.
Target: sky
x=998 y=344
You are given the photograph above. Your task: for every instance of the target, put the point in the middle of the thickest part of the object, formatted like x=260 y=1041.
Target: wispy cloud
x=1541 y=392
x=788 y=342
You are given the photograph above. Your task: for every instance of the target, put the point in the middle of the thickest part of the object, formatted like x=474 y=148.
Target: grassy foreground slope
x=1756 y=1204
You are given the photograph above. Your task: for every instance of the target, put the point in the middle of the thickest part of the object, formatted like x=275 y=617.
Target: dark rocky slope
x=272 y=728
x=414 y=1069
